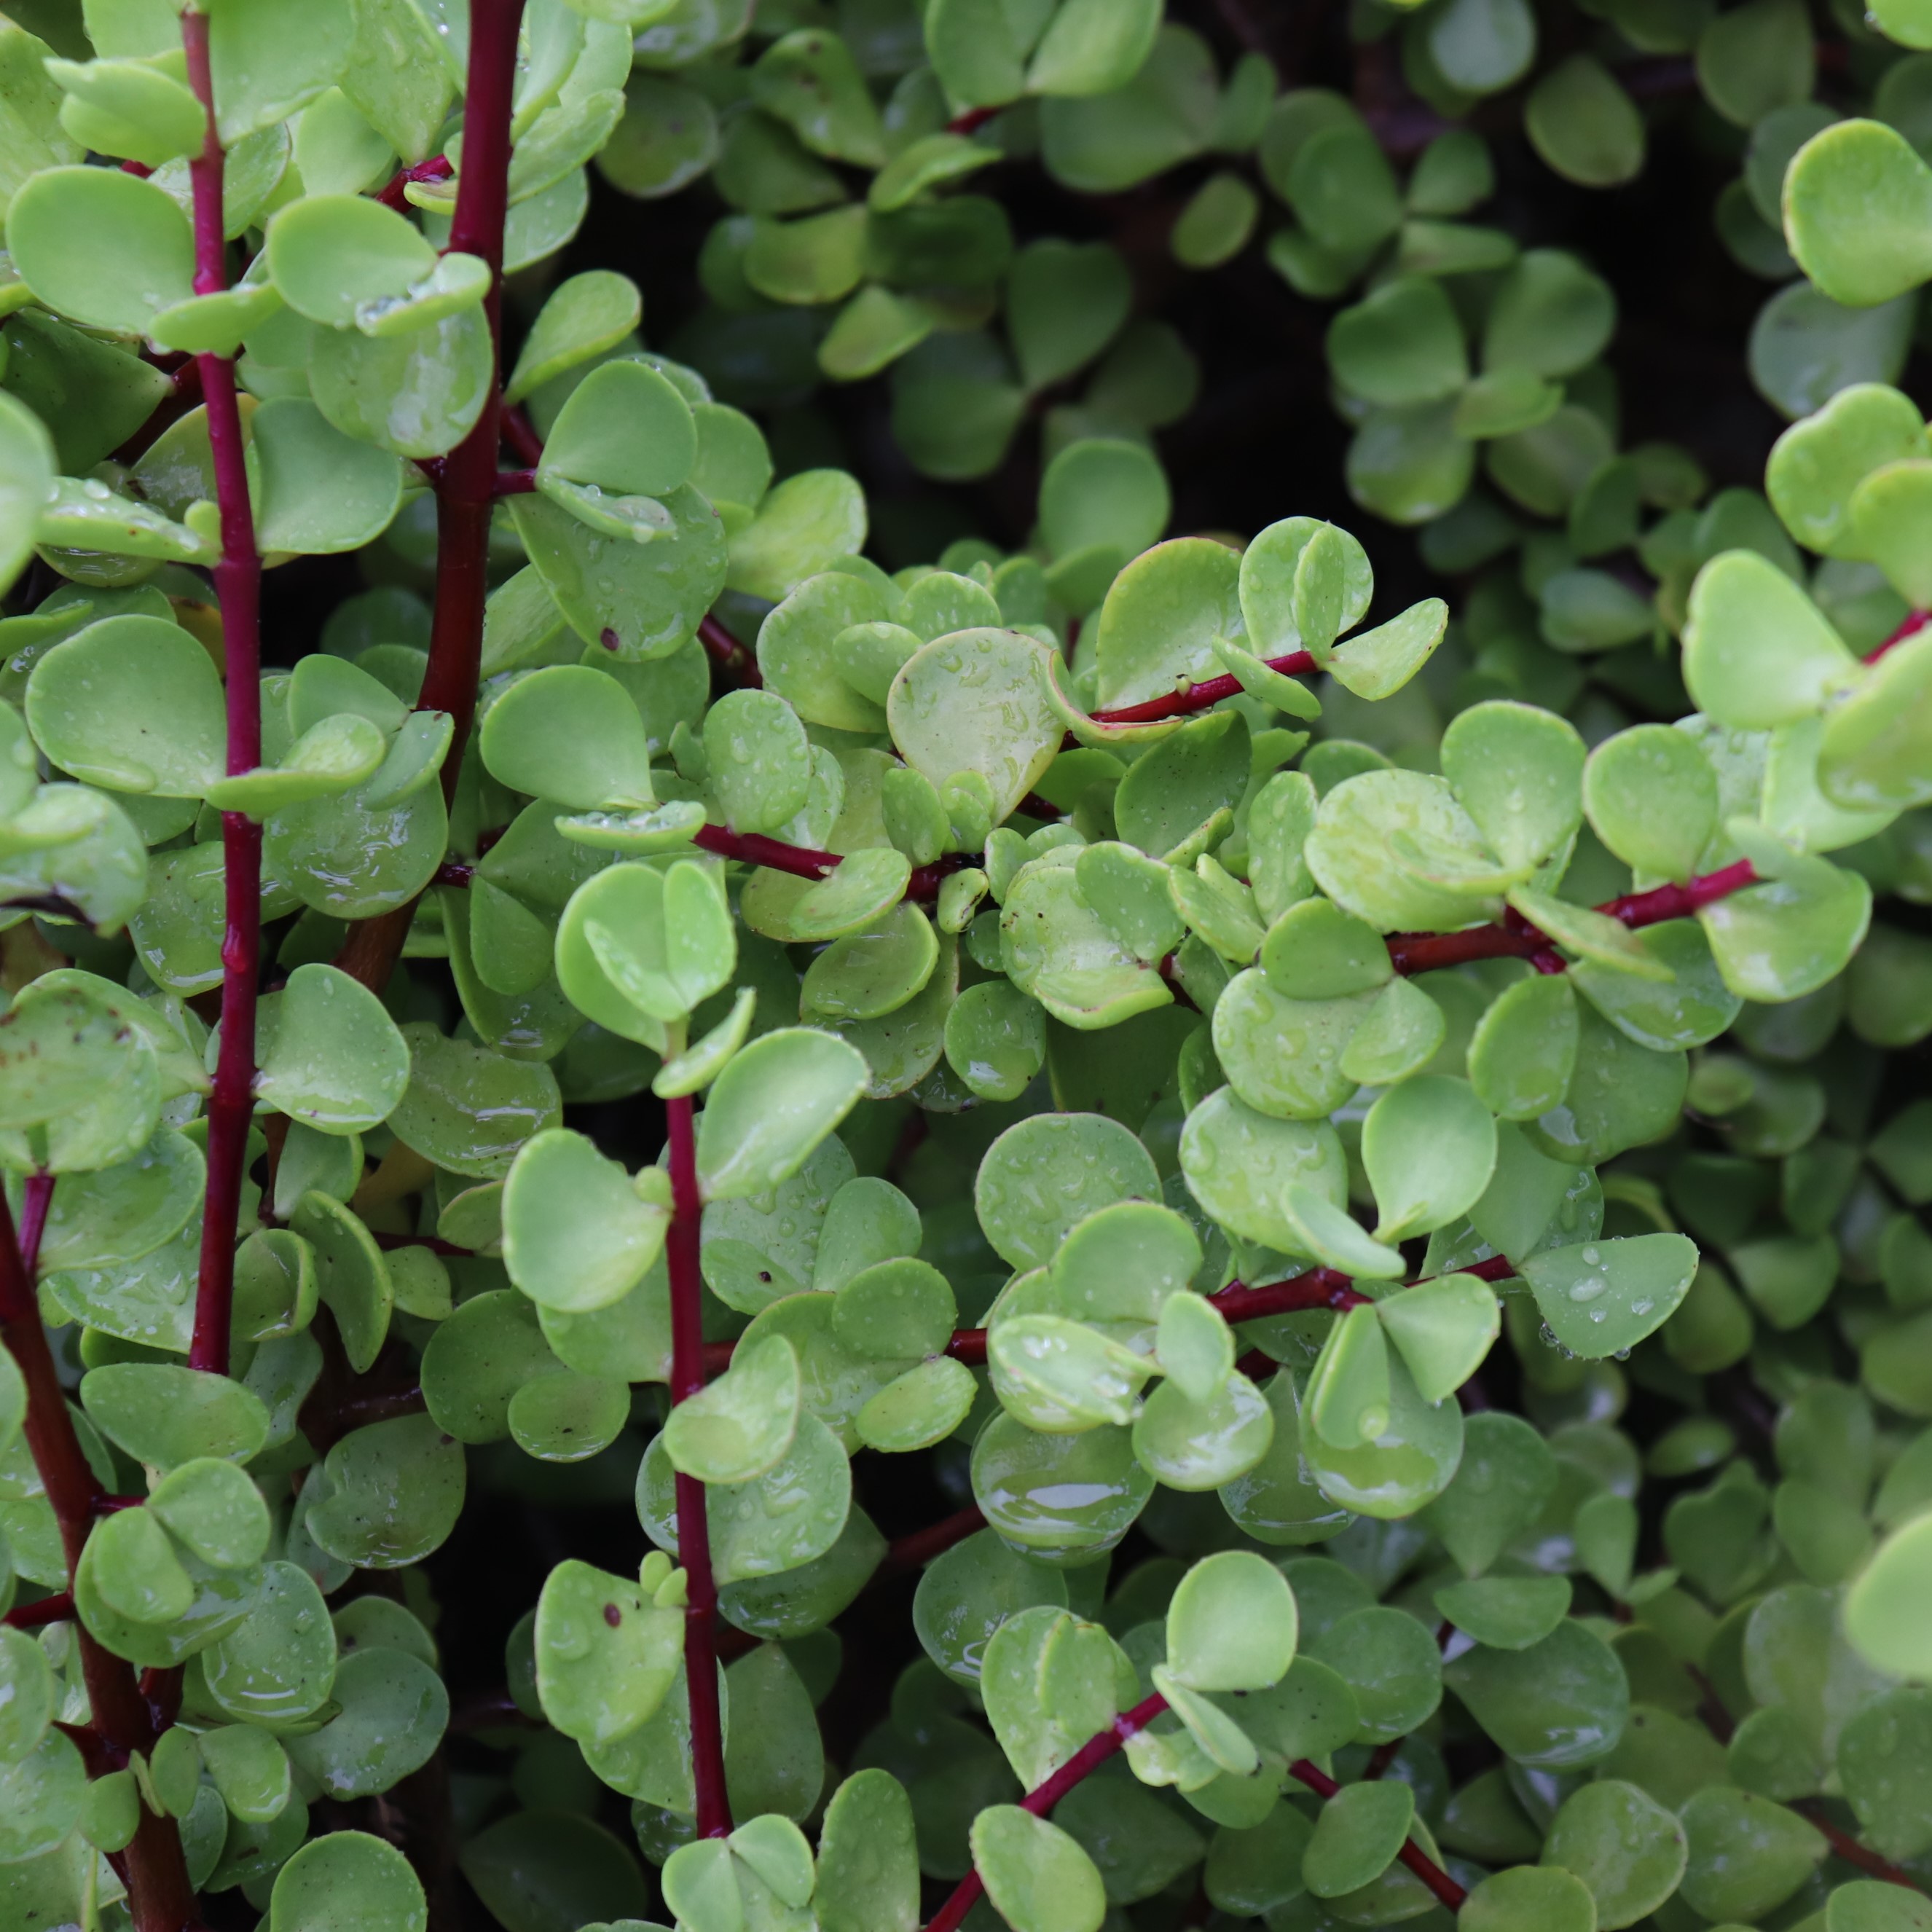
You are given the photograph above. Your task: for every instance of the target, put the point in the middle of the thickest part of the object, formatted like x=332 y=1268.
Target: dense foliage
x=763 y=1170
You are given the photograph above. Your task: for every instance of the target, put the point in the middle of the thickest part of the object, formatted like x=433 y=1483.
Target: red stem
x=1665 y=902
x=729 y=654
x=36 y=1197
x=1853 y=1853
x=1198 y=696
x=56 y=1609
x=1094 y=1753
x=465 y=481
x=437 y=168
x=468 y=485
x=1319 y=1288
x=515 y=482
x=916 y=1551
x=237 y=587
x=694 y=1536
x=1438 y=1881
x=159 y=1893
x=1915 y=622
x=521 y=435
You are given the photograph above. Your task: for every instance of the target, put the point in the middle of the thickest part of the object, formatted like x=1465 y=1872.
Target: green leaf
x=1357 y=1836
x=585 y=316
x=1429 y=1147
x=136 y=259
x=1050 y=1682
x=1871 y=755
x=1231 y=1625
x=1817 y=463
x=1506 y=1612
x=27 y=464
x=558 y=734
x=1882 y=1609
x=1444 y=1328
x=1066 y=302
x=743 y=1423
x=392 y=1492
x=868 y=1878
x=1584 y=125
x=1562 y=1702
x=778 y=1521
x=469 y=1109
x=1402 y=344
x=605 y=1654
x=1058 y=1375
x=344 y=1879
x=215 y=1510
x=250 y=1769
x=1195 y=1346
x=1037 y=1876
x=41 y=1798
x=976 y=702
x=578 y=1234
x=1408 y=1463
x=1348 y=1389
x=1857 y=199
x=625 y=430
x=1600 y=1297
x=1042 y=1178
x=1792 y=934
x=1747 y=1854
x=29 y=1705
x=279 y=1663
x=1516 y=771
x=1068 y=1497
x=1627 y=1849
x=158 y=727
x=328 y=1054
x=166 y=1416
x=803 y=526
x=1756 y=652
x=808 y=80
x=771 y=1107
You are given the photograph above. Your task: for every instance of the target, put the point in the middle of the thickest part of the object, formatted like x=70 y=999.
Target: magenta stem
x=1319 y=1288
x=1914 y=623
x=1094 y=1753
x=1198 y=697
x=238 y=587
x=436 y=169
x=693 y=1533
x=1438 y=1881
x=467 y=486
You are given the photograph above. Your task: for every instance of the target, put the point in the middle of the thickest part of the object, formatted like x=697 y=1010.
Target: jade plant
x=724 y=1212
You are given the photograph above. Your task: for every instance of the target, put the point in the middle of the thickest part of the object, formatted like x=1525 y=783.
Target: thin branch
x=916 y=1551
x=1192 y=697
x=1318 y=1288
x=694 y=1535
x=36 y=1196
x=1438 y=1881
x=436 y=169
x=728 y=654
x=238 y=585
x=1094 y=1753
x=1913 y=624
x=56 y=1609
x=1853 y=1853
x=159 y=1893
x=466 y=481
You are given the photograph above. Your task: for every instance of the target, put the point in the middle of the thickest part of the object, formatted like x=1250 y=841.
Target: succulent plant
x=1362 y=1156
